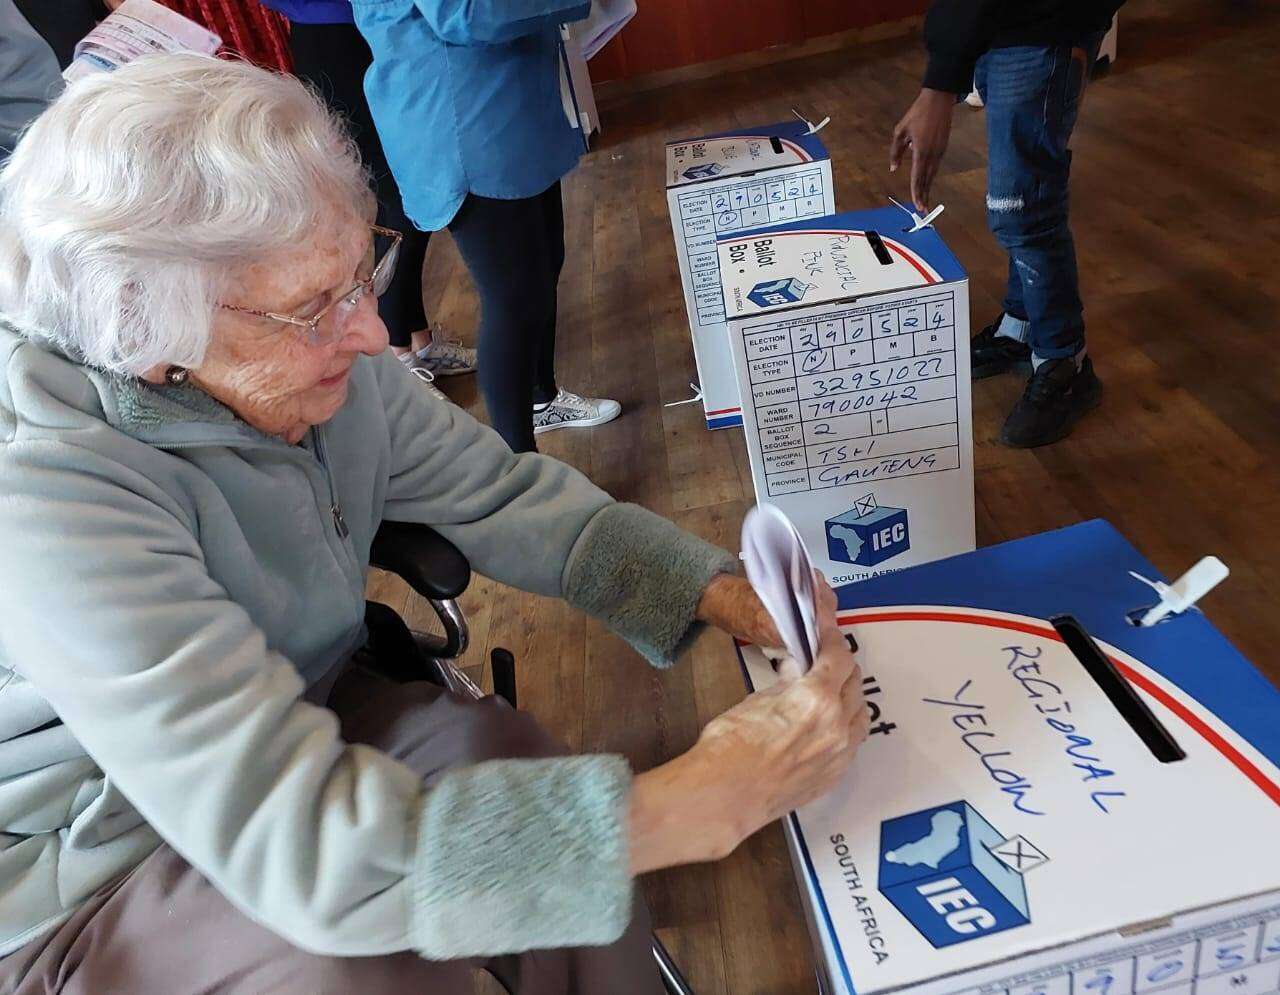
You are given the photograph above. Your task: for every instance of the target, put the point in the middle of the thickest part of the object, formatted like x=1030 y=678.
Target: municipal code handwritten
x=969 y=716
x=1048 y=699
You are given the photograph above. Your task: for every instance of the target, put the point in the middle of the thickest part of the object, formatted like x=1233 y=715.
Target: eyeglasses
x=329 y=323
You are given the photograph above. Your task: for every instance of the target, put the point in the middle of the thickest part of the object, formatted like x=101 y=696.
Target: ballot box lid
x=744 y=151
x=1086 y=571
x=1007 y=810
x=839 y=257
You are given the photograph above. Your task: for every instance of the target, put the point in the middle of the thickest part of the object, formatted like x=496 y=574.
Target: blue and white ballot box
x=1014 y=823
x=850 y=341
x=727 y=183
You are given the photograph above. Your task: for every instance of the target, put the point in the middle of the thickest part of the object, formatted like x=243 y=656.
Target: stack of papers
x=134 y=29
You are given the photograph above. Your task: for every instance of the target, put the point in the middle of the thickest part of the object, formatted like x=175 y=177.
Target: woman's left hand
x=731 y=603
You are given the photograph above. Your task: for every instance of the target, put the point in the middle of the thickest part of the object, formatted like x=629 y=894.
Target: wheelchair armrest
x=427 y=561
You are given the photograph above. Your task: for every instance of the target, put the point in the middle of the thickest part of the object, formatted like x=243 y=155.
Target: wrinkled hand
x=771 y=753
x=785 y=746
x=926 y=130
x=731 y=603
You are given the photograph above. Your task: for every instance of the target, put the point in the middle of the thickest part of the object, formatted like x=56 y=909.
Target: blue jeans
x=1032 y=96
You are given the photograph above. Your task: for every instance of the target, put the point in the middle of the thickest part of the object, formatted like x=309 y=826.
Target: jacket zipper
x=335 y=509
x=320 y=455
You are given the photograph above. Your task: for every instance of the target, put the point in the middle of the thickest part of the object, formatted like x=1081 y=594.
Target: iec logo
x=868 y=534
x=953 y=875
x=775 y=292
x=706 y=170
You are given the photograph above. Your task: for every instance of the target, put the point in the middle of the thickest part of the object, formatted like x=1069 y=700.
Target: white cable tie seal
x=917 y=222
x=1183 y=593
x=813 y=128
x=927 y=220
x=697 y=396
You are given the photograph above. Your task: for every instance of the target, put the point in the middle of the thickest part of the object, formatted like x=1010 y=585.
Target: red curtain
x=246 y=28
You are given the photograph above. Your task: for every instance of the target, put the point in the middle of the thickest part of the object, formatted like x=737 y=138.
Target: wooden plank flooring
x=1175 y=208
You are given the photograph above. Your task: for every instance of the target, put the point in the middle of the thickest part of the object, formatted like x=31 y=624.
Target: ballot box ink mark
x=1119 y=692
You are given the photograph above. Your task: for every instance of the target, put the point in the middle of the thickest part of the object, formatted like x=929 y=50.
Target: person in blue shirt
x=466 y=96
x=332 y=56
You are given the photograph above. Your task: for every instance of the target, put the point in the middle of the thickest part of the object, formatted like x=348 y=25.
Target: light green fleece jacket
x=171 y=582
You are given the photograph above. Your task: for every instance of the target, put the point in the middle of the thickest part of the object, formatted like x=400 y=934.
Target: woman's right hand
x=773 y=752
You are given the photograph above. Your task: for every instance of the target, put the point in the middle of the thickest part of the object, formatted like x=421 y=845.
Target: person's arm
x=491 y=22
x=109 y=612
x=956 y=33
x=537 y=524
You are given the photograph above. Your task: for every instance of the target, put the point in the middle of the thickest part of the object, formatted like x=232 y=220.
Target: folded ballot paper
x=1055 y=798
x=134 y=29
x=779 y=568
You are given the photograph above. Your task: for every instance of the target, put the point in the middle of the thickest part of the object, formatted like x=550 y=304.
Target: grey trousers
x=165 y=930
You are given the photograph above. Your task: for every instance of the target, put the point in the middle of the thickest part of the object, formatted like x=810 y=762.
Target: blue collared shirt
x=313 y=11
x=466 y=97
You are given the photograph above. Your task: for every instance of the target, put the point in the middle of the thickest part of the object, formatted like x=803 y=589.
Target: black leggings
x=333 y=58
x=514 y=250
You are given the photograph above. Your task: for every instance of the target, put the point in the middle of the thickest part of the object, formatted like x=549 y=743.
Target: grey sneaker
x=570 y=410
x=447 y=359
x=414 y=364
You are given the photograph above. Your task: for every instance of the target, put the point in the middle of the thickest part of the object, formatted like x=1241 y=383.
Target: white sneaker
x=413 y=363
x=447 y=359
x=570 y=410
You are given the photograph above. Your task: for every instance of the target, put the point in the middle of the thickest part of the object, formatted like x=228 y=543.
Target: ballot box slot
x=1119 y=691
x=878 y=247
x=776 y=142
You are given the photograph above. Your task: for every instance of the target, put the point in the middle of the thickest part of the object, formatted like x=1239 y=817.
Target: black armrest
x=428 y=562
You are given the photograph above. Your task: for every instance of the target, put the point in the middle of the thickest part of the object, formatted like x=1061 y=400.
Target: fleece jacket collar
x=161 y=415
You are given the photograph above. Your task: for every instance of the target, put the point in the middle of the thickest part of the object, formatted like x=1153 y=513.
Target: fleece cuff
x=643 y=576
x=949 y=74
x=516 y=855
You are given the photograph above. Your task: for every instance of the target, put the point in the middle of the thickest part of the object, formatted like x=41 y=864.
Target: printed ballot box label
x=854 y=382
x=721 y=184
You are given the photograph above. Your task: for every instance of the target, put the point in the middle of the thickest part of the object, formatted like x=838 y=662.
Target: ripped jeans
x=1032 y=96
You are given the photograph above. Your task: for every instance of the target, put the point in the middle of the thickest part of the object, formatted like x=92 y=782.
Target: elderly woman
x=200 y=431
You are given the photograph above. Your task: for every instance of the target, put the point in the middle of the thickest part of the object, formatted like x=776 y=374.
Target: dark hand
x=926 y=128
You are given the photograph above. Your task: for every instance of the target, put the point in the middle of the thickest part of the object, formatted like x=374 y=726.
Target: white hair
x=129 y=200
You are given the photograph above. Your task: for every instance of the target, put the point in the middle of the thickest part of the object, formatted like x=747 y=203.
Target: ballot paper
x=779 y=568
x=134 y=29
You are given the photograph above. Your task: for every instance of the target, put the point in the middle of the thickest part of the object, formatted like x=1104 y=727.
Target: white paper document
x=779 y=568
x=134 y=29
x=606 y=19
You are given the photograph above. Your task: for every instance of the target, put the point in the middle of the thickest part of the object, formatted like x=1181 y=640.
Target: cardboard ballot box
x=850 y=341
x=728 y=183
x=1013 y=824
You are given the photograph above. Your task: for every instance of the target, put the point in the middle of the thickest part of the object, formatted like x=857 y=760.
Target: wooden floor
x=1176 y=211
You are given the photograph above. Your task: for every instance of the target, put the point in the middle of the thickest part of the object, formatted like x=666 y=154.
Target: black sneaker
x=990 y=354
x=1057 y=394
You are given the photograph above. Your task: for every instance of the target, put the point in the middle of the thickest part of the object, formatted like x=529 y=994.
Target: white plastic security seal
x=1184 y=592
x=918 y=222
x=813 y=128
